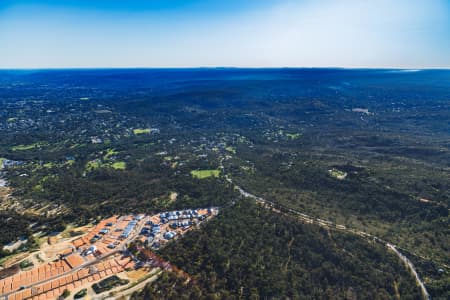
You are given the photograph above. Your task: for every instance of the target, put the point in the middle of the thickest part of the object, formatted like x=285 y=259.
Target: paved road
x=127 y=292
x=411 y=267
x=327 y=224
x=84 y=265
x=74 y=270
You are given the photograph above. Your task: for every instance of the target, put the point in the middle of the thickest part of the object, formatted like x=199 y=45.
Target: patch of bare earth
x=173 y=196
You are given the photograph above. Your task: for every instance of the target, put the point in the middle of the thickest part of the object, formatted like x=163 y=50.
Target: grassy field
x=95 y=164
x=338 y=174
x=49 y=165
x=25 y=147
x=109 y=153
x=119 y=165
x=293 y=136
x=141 y=131
x=201 y=174
x=92 y=165
x=231 y=149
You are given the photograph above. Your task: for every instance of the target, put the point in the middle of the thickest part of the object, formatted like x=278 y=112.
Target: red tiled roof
x=74 y=260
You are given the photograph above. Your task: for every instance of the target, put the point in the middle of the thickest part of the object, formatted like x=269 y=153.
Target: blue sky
x=241 y=33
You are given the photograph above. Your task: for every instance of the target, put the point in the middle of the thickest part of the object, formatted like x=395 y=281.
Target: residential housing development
x=101 y=256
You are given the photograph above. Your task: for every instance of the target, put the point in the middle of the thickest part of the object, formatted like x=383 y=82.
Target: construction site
x=98 y=263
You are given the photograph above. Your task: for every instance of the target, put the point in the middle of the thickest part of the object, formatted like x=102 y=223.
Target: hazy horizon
x=48 y=34
x=223 y=68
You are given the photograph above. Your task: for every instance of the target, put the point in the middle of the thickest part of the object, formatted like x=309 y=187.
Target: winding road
x=330 y=225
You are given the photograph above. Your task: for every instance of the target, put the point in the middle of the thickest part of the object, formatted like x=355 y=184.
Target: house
x=90 y=250
x=156 y=229
x=169 y=235
x=124 y=235
x=139 y=217
x=145 y=231
x=7 y=163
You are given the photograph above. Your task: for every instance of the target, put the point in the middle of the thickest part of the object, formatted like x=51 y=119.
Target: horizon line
x=220 y=67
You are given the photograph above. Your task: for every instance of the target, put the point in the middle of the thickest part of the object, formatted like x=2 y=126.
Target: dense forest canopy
x=368 y=149
x=252 y=253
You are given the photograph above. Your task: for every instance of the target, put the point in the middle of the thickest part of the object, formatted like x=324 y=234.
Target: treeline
x=249 y=252
x=144 y=185
x=13 y=225
x=362 y=192
x=170 y=286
